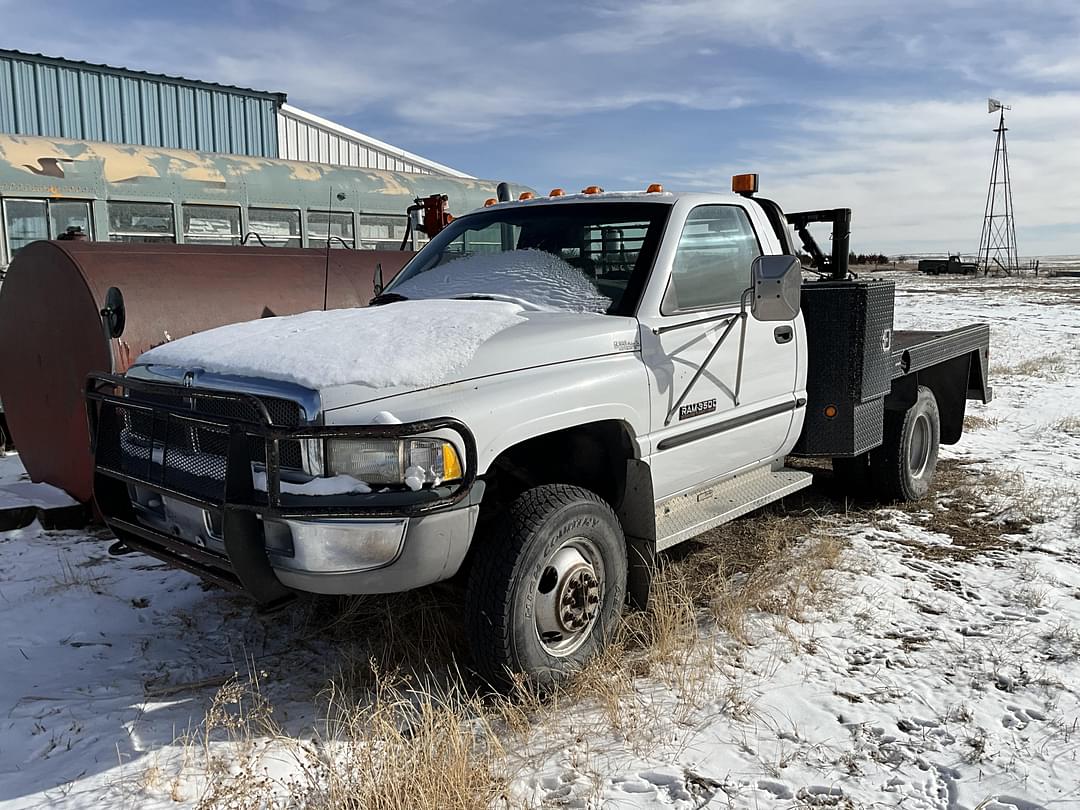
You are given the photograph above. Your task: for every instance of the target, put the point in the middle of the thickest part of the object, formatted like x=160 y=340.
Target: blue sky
x=876 y=106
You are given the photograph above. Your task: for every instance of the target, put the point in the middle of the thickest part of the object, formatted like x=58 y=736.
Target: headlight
x=393 y=462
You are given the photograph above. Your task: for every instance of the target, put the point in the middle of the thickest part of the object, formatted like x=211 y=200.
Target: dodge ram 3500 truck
x=551 y=392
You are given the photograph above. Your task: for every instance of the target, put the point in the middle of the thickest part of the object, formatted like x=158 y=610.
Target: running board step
x=685 y=516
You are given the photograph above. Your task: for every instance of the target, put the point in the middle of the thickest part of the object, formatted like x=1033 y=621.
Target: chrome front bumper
x=333 y=555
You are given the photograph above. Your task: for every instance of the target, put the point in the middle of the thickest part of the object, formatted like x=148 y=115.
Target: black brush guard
x=201 y=446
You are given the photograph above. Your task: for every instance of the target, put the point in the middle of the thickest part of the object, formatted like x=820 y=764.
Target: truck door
x=715 y=429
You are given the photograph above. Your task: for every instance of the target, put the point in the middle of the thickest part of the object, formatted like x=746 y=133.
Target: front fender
x=505 y=409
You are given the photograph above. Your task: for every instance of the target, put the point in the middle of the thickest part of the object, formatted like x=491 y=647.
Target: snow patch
x=415 y=477
x=534 y=276
x=334 y=485
x=385 y=418
x=44 y=496
x=410 y=343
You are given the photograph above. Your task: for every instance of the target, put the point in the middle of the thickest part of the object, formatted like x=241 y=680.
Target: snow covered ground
x=941 y=670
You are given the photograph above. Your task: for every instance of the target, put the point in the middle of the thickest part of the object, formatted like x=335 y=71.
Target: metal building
x=304 y=136
x=61 y=98
x=126 y=155
x=82 y=101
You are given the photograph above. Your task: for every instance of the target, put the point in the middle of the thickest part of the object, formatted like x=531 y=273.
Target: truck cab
x=551 y=392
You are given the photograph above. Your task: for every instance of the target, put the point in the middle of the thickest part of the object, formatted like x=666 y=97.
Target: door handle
x=783 y=334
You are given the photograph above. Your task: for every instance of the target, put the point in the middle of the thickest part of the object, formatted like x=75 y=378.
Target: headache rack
x=207 y=447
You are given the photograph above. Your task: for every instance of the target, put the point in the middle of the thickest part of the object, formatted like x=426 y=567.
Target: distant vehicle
x=49 y=187
x=953 y=264
x=640 y=367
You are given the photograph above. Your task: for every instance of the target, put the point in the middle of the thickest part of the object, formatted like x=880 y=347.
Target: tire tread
x=497 y=566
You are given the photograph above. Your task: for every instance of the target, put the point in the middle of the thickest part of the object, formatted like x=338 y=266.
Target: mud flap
x=637 y=514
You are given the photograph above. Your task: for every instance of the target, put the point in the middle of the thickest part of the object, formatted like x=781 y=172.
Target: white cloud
x=914 y=169
x=915 y=173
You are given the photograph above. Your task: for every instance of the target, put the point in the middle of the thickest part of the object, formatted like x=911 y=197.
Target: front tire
x=902 y=468
x=546 y=589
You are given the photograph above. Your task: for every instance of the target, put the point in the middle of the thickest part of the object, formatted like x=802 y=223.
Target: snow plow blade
x=57 y=312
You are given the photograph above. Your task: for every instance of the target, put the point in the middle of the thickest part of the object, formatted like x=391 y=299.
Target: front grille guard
x=175 y=435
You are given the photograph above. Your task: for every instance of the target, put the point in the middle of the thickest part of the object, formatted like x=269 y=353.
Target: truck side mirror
x=777 y=288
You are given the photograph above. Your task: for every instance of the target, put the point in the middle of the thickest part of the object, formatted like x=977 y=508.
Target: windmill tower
x=997 y=245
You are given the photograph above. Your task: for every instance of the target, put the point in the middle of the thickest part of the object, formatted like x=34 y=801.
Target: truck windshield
x=591 y=256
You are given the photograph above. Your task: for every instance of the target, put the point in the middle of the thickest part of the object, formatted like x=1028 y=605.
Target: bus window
x=341 y=228
x=141 y=222
x=276 y=227
x=381 y=232
x=211 y=225
x=25 y=221
x=64 y=214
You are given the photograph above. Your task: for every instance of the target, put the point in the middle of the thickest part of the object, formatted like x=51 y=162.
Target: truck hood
x=354 y=356
x=539 y=339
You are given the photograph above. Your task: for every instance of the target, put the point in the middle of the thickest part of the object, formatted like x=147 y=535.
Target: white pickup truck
x=552 y=391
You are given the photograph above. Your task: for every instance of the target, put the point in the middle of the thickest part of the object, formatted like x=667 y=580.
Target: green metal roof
x=63 y=98
x=78 y=64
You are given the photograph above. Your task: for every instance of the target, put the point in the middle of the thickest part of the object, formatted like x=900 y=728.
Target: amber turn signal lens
x=830 y=411
x=744 y=183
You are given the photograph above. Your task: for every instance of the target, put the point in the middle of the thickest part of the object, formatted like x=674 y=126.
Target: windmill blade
x=993 y=105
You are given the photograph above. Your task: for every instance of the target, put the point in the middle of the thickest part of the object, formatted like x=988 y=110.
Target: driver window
x=712 y=263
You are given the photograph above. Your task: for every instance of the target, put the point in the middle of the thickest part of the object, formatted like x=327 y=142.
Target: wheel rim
x=919 y=446
x=569 y=594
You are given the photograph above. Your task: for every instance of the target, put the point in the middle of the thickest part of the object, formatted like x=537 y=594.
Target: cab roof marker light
x=556 y=192
x=490 y=201
x=526 y=195
x=592 y=190
x=745 y=184
x=654 y=188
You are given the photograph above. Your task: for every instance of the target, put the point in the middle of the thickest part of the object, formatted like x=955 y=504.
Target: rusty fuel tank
x=52 y=333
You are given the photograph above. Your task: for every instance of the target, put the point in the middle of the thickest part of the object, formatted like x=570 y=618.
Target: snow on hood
x=410 y=343
x=534 y=276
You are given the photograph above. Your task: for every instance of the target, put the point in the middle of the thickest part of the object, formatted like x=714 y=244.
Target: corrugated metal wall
x=303 y=136
x=57 y=98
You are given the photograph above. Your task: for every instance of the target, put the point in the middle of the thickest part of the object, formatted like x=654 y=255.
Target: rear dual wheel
x=903 y=467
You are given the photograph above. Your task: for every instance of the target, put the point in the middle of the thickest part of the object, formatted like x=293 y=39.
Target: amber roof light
x=556 y=192
x=654 y=188
x=592 y=190
x=490 y=201
x=526 y=195
x=744 y=183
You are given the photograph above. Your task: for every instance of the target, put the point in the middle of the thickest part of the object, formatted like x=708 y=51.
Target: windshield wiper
x=386 y=298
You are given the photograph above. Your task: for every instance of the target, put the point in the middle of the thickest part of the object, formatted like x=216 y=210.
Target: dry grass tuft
x=1048 y=365
x=397 y=748
x=405 y=749
x=980 y=511
x=1069 y=425
x=975 y=422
